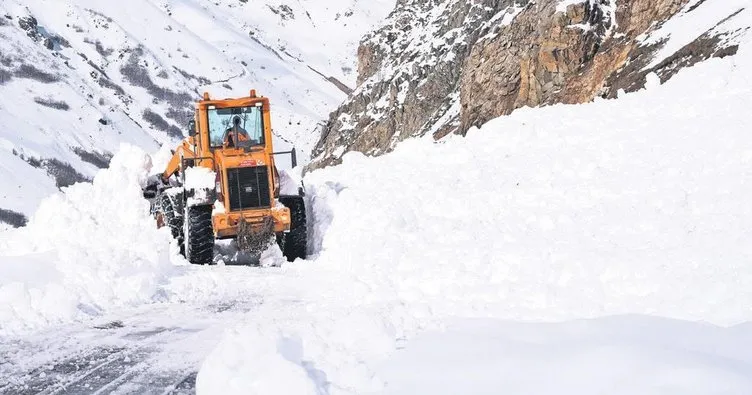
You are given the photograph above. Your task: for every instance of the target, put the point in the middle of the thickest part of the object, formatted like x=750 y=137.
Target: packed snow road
x=157 y=350
x=151 y=349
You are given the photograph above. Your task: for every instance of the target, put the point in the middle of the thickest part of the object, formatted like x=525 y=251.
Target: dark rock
x=406 y=82
x=5 y=76
x=13 y=218
x=159 y=123
x=63 y=173
x=30 y=26
x=137 y=75
x=100 y=160
x=30 y=72
x=632 y=76
x=58 y=105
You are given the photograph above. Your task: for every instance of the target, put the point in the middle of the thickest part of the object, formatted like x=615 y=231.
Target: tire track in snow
x=156 y=350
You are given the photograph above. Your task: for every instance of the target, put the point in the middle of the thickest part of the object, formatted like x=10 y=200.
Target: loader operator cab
x=240 y=127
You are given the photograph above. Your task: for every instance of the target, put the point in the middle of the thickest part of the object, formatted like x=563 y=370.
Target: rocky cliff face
x=444 y=66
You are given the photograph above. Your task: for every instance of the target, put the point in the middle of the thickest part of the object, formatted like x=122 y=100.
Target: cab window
x=245 y=122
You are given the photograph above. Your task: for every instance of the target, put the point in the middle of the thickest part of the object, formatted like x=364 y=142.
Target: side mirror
x=191 y=128
x=293 y=156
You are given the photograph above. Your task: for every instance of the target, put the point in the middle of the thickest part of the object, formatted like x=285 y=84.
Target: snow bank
x=632 y=206
x=94 y=245
x=555 y=221
x=617 y=355
x=202 y=181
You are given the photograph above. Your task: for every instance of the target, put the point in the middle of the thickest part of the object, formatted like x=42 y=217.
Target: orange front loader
x=233 y=139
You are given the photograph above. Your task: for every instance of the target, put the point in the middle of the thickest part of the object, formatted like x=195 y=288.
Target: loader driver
x=235 y=136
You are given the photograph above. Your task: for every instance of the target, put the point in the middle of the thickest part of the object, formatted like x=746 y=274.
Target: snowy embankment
x=632 y=206
x=614 y=355
x=90 y=247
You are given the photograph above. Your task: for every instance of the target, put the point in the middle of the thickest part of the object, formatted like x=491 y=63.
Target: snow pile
x=632 y=206
x=94 y=245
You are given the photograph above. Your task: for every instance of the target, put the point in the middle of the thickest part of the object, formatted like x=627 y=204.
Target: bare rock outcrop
x=590 y=49
x=409 y=75
x=443 y=66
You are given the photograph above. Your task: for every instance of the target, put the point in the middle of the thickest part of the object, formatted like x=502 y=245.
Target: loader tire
x=199 y=235
x=171 y=217
x=294 y=244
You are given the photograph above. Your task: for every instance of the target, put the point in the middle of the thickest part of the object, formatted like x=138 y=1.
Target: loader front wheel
x=199 y=235
x=169 y=214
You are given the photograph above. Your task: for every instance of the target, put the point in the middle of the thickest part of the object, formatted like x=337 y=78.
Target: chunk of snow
x=289 y=182
x=563 y=4
x=271 y=371
x=338 y=152
x=652 y=81
x=199 y=177
x=272 y=257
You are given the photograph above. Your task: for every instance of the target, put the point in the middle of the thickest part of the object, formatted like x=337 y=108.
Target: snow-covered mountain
x=79 y=77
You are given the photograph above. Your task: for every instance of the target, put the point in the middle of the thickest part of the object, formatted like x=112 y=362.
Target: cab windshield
x=236 y=127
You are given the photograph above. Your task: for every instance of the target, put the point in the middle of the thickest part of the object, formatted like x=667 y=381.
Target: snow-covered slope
x=78 y=77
